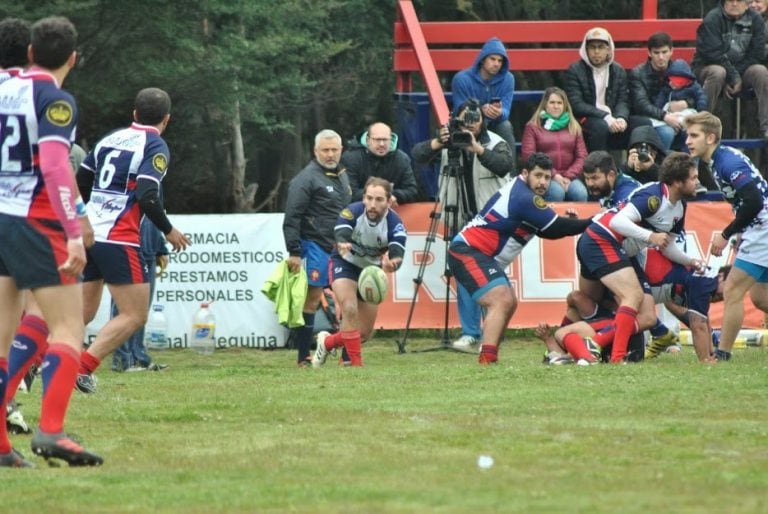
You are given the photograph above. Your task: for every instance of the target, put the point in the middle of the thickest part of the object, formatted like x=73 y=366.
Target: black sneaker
x=61 y=446
x=14 y=459
x=86 y=383
x=722 y=355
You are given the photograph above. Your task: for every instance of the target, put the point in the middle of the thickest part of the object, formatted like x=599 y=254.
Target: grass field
x=247 y=431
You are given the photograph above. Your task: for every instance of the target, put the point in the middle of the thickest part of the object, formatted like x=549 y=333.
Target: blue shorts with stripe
x=599 y=253
x=116 y=264
x=477 y=272
x=31 y=251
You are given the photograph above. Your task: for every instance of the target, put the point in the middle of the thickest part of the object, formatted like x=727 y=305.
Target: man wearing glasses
x=376 y=155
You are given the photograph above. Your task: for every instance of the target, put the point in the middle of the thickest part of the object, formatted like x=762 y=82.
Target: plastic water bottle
x=156 y=330
x=203 y=331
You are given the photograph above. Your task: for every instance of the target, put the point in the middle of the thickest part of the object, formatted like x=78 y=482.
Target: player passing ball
x=367 y=233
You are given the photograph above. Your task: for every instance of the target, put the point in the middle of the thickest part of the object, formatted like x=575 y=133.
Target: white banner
x=230 y=258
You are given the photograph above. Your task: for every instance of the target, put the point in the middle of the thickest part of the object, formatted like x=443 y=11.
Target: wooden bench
x=551 y=45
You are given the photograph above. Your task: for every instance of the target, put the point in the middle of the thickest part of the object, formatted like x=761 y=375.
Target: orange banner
x=542 y=275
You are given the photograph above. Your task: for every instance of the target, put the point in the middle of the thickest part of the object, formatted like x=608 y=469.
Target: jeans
x=577 y=192
x=667 y=135
x=132 y=352
x=469 y=313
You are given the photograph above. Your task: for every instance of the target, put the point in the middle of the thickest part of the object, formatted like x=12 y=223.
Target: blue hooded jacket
x=468 y=83
x=693 y=94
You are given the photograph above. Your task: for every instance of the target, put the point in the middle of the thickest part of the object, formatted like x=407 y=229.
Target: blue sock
x=659 y=329
x=304 y=336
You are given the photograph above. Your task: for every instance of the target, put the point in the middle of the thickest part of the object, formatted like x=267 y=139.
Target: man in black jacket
x=316 y=196
x=598 y=91
x=730 y=45
x=376 y=155
x=645 y=83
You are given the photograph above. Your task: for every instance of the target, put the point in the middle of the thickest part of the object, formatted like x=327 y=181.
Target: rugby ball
x=372 y=285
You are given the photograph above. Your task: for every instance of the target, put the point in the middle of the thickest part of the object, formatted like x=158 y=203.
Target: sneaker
x=134 y=369
x=14 y=459
x=14 y=421
x=465 y=341
x=557 y=359
x=659 y=344
x=61 y=446
x=157 y=367
x=585 y=362
x=306 y=363
x=86 y=383
x=321 y=352
x=722 y=355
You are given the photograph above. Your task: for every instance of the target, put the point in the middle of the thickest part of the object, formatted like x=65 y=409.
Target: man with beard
x=604 y=182
x=367 y=233
x=480 y=254
x=316 y=196
x=653 y=215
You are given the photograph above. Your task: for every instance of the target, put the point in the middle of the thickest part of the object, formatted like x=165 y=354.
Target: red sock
x=28 y=347
x=59 y=375
x=489 y=354
x=575 y=345
x=334 y=341
x=5 y=443
x=626 y=318
x=605 y=337
x=88 y=363
x=353 y=345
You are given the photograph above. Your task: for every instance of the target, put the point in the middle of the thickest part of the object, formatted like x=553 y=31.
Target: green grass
x=246 y=431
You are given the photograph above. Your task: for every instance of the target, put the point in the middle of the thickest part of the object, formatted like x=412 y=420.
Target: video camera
x=457 y=137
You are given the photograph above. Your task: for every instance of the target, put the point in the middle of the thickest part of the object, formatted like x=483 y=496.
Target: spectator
x=730 y=47
x=680 y=86
x=761 y=8
x=376 y=155
x=484 y=167
x=644 y=155
x=645 y=83
x=597 y=88
x=553 y=130
x=490 y=82
x=316 y=196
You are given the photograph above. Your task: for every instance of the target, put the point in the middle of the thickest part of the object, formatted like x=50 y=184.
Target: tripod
x=452 y=196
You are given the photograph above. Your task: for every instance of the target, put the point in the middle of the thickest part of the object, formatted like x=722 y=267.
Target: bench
x=551 y=45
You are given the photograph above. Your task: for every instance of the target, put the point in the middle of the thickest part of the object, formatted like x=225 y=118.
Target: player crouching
x=367 y=233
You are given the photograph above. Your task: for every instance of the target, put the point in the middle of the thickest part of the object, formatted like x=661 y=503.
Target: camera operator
x=644 y=154
x=475 y=164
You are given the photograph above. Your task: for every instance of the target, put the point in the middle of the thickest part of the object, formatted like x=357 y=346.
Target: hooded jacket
x=395 y=167
x=468 y=83
x=693 y=94
x=645 y=134
x=580 y=85
x=733 y=44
